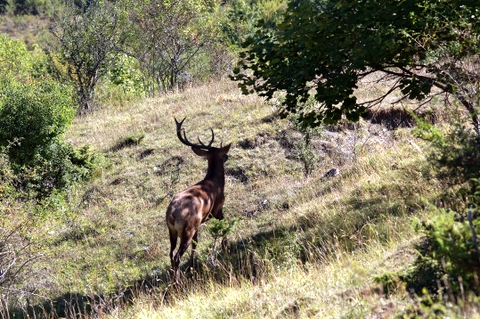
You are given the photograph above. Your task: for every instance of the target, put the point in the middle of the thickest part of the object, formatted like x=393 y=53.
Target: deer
x=196 y=204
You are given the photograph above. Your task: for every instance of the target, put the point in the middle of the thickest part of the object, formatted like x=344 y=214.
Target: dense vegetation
x=323 y=49
x=376 y=217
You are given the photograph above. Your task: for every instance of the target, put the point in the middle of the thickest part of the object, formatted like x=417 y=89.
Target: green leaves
x=34 y=115
x=220 y=228
x=88 y=41
x=322 y=49
x=33 y=118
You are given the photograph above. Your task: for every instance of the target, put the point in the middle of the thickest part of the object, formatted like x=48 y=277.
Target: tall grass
x=303 y=246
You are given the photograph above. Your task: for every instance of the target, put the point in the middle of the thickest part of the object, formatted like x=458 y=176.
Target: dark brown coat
x=196 y=204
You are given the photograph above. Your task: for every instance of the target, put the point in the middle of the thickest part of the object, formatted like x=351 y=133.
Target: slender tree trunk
x=473 y=112
x=86 y=100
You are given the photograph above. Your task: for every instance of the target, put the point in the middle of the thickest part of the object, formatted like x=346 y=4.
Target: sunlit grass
x=338 y=287
x=304 y=246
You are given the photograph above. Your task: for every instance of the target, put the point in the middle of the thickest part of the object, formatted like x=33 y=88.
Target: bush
x=447 y=268
x=58 y=168
x=15 y=59
x=450 y=250
x=456 y=157
x=33 y=118
x=449 y=255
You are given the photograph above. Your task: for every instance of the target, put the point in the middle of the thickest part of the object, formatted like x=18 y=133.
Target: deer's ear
x=224 y=150
x=199 y=151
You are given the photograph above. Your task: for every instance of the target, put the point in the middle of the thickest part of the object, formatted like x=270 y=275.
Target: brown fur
x=193 y=206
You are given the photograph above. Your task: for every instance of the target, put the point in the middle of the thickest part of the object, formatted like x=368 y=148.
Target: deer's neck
x=216 y=172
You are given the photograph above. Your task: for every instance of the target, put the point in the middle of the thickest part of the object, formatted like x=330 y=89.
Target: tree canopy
x=88 y=40
x=322 y=49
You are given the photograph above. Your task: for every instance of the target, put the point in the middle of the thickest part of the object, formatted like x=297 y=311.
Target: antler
x=184 y=140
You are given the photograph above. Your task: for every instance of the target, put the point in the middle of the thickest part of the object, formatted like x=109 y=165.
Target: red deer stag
x=193 y=206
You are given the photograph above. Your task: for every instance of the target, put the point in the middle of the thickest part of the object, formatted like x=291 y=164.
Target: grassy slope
x=346 y=229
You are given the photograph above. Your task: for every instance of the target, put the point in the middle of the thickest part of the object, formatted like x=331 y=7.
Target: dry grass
x=305 y=246
x=338 y=287
x=31 y=29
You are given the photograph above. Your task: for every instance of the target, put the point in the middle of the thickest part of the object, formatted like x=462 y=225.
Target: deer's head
x=216 y=156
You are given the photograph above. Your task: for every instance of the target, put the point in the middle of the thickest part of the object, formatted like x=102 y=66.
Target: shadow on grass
x=128 y=141
x=246 y=260
x=75 y=305
x=251 y=259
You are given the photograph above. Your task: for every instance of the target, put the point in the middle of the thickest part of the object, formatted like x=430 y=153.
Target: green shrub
x=449 y=256
x=456 y=157
x=33 y=118
x=303 y=150
x=125 y=73
x=243 y=15
x=448 y=264
x=17 y=258
x=59 y=167
x=15 y=60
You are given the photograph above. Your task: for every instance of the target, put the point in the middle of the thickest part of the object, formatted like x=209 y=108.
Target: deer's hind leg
x=185 y=241
x=173 y=245
x=194 y=246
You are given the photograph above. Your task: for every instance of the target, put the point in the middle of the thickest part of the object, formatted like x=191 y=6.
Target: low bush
x=33 y=118
x=448 y=263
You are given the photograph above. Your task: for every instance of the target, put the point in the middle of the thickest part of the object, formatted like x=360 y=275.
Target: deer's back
x=189 y=207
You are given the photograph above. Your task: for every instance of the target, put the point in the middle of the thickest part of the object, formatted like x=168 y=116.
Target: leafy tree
x=88 y=38
x=243 y=14
x=33 y=118
x=322 y=49
x=167 y=36
x=33 y=115
x=35 y=111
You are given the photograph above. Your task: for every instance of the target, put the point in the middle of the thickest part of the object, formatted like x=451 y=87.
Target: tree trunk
x=473 y=112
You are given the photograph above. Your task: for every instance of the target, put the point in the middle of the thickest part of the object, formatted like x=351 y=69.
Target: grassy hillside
x=304 y=245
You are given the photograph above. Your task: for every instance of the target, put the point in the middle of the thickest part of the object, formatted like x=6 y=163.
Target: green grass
x=304 y=246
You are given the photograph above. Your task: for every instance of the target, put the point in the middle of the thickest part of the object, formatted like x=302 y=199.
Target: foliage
x=125 y=73
x=19 y=63
x=428 y=306
x=88 y=40
x=459 y=160
x=33 y=118
x=456 y=156
x=35 y=111
x=305 y=154
x=15 y=60
x=303 y=151
x=220 y=228
x=167 y=37
x=17 y=259
x=242 y=16
x=451 y=246
x=324 y=48
x=449 y=255
x=448 y=261
x=35 y=7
